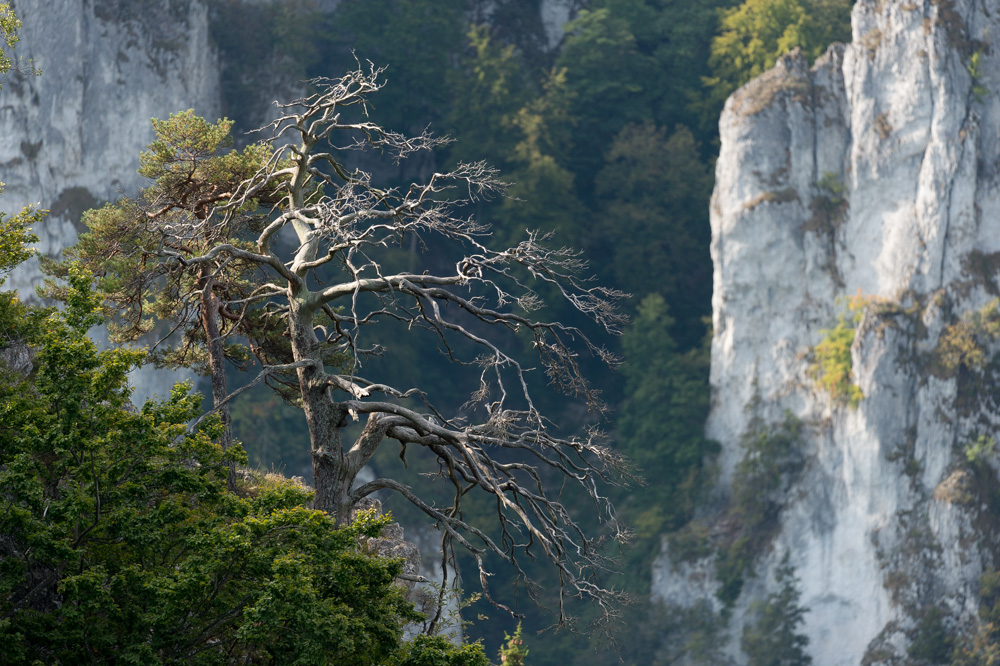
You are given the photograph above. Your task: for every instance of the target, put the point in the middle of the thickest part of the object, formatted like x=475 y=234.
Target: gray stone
x=894 y=117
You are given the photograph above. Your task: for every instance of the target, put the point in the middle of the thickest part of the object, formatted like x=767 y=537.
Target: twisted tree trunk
x=217 y=363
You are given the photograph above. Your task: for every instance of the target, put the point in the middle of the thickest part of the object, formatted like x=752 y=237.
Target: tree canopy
x=121 y=542
x=755 y=34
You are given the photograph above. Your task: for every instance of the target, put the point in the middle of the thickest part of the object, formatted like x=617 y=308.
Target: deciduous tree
x=755 y=34
x=119 y=541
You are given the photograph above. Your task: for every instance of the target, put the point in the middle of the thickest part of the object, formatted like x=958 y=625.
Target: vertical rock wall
x=874 y=173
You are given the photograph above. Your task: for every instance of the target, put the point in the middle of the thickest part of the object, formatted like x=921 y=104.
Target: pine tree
x=772 y=639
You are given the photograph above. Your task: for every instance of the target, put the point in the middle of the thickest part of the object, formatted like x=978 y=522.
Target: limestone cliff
x=873 y=175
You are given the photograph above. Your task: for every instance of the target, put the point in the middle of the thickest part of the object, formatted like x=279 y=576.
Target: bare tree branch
x=333 y=302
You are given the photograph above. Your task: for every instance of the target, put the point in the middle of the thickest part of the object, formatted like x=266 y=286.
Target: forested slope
x=607 y=130
x=609 y=135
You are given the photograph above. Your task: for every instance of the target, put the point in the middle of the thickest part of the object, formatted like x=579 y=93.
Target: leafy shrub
x=975 y=69
x=983 y=447
x=832 y=368
x=963 y=344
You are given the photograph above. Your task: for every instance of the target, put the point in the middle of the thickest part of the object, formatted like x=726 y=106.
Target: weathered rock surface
x=421 y=577
x=16 y=357
x=70 y=139
x=873 y=173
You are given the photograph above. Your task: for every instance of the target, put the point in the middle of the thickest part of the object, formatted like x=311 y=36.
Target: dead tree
x=333 y=296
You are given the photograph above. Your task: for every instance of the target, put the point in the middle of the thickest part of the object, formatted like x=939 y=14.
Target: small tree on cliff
x=327 y=286
x=10 y=25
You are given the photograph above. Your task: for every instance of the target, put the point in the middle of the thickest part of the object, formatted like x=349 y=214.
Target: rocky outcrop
x=872 y=175
x=421 y=577
x=16 y=358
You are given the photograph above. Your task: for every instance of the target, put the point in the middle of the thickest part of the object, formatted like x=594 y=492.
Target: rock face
x=874 y=174
x=555 y=15
x=70 y=139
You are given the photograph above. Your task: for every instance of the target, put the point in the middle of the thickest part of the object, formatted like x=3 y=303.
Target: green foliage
x=832 y=368
x=771 y=640
x=10 y=25
x=771 y=463
x=694 y=635
x=183 y=150
x=192 y=170
x=543 y=190
x=984 y=447
x=15 y=235
x=975 y=69
x=488 y=88
x=261 y=43
x=601 y=39
x=18 y=322
x=416 y=41
x=652 y=218
x=513 y=651
x=984 y=647
x=632 y=61
x=691 y=542
x=121 y=542
x=964 y=343
x=437 y=651
x=931 y=642
x=756 y=33
x=662 y=421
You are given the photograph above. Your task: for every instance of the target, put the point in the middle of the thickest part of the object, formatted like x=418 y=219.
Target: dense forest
x=607 y=135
